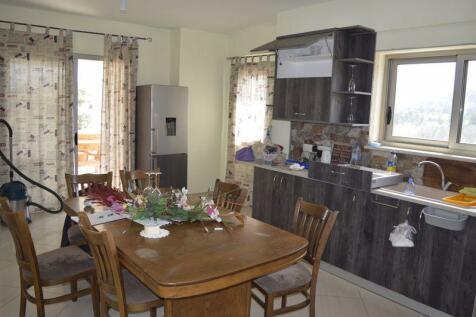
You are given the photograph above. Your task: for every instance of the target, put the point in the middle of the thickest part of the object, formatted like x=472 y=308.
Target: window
x=432 y=101
x=89 y=85
x=251 y=105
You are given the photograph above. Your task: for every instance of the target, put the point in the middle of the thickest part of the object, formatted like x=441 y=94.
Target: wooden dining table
x=200 y=273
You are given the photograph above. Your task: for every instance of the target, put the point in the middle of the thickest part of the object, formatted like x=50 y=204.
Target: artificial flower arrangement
x=107 y=196
x=173 y=206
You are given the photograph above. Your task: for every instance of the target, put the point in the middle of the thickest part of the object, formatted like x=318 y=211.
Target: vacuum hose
x=14 y=168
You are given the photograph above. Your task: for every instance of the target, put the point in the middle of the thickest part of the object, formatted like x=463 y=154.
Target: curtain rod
x=251 y=56
x=77 y=31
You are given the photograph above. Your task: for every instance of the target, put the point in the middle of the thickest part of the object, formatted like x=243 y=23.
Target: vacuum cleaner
x=16 y=191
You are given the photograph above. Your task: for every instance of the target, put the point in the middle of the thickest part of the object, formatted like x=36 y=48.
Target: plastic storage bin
x=444 y=219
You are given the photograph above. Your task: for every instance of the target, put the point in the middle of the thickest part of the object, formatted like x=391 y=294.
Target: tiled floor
x=335 y=298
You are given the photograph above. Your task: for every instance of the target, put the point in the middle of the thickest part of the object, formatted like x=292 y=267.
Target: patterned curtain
x=36 y=99
x=250 y=108
x=118 y=107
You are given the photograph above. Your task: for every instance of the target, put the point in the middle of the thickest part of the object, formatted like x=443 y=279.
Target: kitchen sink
x=421 y=191
x=380 y=178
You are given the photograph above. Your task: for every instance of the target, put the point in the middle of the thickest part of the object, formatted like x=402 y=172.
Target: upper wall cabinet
x=324 y=76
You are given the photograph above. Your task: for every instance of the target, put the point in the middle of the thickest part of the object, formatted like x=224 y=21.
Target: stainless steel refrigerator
x=161 y=132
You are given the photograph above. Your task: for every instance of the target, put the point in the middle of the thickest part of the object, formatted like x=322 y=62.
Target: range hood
x=305 y=39
x=293 y=41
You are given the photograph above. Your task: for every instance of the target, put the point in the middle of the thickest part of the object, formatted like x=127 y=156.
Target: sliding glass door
x=88 y=103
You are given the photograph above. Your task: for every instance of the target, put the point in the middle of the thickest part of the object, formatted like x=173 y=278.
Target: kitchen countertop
x=424 y=195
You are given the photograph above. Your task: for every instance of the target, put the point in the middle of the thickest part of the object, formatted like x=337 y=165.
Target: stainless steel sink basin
x=380 y=178
x=421 y=191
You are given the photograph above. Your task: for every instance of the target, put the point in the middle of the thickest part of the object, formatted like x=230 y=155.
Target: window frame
x=458 y=103
x=453 y=145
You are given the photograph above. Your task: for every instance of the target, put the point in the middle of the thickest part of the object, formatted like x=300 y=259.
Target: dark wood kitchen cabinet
x=323 y=95
x=439 y=271
x=304 y=99
x=274 y=201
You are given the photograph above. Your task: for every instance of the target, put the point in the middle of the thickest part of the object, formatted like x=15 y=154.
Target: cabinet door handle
x=274 y=181
x=338 y=173
x=281 y=181
x=386 y=205
x=299 y=114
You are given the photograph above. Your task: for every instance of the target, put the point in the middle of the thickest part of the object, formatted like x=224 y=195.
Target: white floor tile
x=331 y=285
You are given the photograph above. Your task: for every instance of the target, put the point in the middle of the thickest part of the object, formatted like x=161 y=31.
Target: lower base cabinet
x=440 y=271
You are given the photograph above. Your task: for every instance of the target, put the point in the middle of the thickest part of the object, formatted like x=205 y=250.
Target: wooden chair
x=229 y=196
x=315 y=223
x=77 y=185
x=134 y=182
x=119 y=289
x=60 y=266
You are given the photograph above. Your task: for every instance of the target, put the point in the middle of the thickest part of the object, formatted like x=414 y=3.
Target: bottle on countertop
x=392 y=162
x=410 y=186
x=356 y=156
x=267 y=140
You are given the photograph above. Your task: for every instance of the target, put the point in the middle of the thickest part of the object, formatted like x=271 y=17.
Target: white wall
x=246 y=39
x=154 y=57
x=202 y=63
x=400 y=24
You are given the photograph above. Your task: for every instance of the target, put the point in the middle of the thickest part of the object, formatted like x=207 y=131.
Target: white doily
x=161 y=234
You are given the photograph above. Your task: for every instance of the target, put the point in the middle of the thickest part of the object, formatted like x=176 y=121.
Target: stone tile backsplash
x=326 y=133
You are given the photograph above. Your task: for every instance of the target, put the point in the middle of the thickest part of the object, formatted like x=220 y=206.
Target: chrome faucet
x=444 y=185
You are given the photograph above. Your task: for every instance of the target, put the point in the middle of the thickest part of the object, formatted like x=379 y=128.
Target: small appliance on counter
x=326 y=155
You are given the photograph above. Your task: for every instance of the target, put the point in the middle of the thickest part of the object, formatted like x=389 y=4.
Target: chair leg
x=40 y=309
x=95 y=296
x=153 y=312
x=312 y=302
x=22 y=303
x=268 y=306
x=39 y=301
x=283 y=301
x=74 y=290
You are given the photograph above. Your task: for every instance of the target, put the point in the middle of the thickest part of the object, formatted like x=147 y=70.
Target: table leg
x=234 y=301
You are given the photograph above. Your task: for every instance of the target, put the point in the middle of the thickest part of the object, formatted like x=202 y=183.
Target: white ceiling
x=210 y=15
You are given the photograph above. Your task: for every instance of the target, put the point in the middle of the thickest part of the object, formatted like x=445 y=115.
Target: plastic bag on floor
x=402 y=235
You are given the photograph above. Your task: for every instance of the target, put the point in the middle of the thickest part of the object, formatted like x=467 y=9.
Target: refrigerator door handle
x=153 y=140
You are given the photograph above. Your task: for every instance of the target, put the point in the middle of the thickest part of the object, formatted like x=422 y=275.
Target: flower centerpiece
x=171 y=207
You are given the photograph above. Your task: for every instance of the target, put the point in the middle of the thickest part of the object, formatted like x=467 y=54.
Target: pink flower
x=117 y=207
x=213 y=213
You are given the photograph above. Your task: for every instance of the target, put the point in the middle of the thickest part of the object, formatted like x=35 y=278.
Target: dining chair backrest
x=78 y=185
x=135 y=181
x=229 y=196
x=313 y=222
x=233 y=203
x=108 y=269
x=24 y=247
